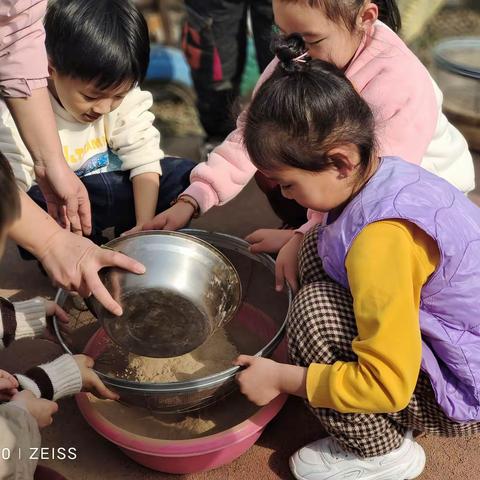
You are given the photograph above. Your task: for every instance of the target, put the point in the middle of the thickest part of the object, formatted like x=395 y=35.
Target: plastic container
x=457 y=62
x=243 y=421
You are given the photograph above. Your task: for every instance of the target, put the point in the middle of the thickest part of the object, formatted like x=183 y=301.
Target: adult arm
x=23 y=80
x=66 y=196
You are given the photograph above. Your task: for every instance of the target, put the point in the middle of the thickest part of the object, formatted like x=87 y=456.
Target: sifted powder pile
x=225 y=414
x=214 y=356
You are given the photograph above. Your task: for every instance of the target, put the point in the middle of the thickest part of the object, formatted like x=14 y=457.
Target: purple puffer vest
x=450 y=300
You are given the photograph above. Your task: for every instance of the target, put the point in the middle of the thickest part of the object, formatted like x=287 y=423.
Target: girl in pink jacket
x=406 y=102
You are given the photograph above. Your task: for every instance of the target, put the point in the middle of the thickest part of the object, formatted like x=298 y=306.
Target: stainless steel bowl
x=189 y=290
x=251 y=334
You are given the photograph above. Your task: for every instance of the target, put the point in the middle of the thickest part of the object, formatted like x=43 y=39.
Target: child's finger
x=102 y=391
x=291 y=277
x=279 y=277
x=258 y=247
x=7 y=380
x=6 y=384
x=5 y=374
x=158 y=223
x=254 y=237
x=65 y=329
x=243 y=361
x=171 y=225
x=61 y=314
x=106 y=393
x=136 y=229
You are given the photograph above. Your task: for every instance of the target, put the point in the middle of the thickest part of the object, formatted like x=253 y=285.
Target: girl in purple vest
x=383 y=333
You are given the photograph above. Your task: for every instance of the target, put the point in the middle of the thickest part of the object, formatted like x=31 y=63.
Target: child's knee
x=319 y=308
x=308 y=306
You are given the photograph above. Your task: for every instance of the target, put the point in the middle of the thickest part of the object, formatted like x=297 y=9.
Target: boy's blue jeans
x=111 y=197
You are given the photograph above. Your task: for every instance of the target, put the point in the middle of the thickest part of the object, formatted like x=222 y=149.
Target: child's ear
x=367 y=16
x=344 y=159
x=51 y=68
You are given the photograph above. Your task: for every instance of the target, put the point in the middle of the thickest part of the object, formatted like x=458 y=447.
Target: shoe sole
x=413 y=471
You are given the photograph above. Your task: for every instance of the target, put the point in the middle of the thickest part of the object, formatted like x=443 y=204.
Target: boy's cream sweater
x=128 y=132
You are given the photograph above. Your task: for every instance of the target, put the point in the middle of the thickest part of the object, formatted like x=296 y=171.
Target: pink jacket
x=23 y=59
x=388 y=76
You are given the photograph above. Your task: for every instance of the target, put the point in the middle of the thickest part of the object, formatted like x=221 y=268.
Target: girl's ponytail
x=291 y=52
x=389 y=14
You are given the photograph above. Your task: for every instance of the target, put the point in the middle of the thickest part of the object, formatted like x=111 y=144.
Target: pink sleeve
x=314 y=218
x=406 y=112
x=23 y=65
x=228 y=168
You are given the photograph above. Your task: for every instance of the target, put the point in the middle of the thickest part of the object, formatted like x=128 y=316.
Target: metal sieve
x=256 y=329
x=188 y=291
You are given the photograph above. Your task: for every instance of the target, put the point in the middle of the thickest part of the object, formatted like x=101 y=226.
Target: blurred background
x=426 y=24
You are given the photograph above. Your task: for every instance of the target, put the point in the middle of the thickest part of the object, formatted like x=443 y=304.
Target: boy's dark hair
x=10 y=204
x=105 y=41
x=347 y=11
x=304 y=110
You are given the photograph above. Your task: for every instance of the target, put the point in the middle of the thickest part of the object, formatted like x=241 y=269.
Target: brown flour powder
x=214 y=356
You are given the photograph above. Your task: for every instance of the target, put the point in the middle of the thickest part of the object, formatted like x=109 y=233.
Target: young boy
x=30 y=396
x=98 y=55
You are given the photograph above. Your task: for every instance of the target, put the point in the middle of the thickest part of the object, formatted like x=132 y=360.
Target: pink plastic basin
x=192 y=455
x=183 y=456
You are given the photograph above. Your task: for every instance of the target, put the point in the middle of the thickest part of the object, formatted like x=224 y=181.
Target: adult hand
x=66 y=196
x=174 y=218
x=286 y=265
x=41 y=409
x=269 y=240
x=260 y=381
x=8 y=386
x=91 y=381
x=73 y=262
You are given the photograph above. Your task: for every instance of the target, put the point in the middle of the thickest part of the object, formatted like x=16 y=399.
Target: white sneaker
x=326 y=460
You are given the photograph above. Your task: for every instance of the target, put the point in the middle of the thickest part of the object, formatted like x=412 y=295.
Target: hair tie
x=301 y=57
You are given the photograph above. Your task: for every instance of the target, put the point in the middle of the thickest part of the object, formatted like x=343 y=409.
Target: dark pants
x=111 y=196
x=214 y=41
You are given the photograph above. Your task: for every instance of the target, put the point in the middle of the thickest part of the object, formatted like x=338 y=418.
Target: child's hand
x=8 y=386
x=268 y=240
x=51 y=309
x=260 y=381
x=137 y=228
x=39 y=408
x=286 y=265
x=90 y=380
x=174 y=218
